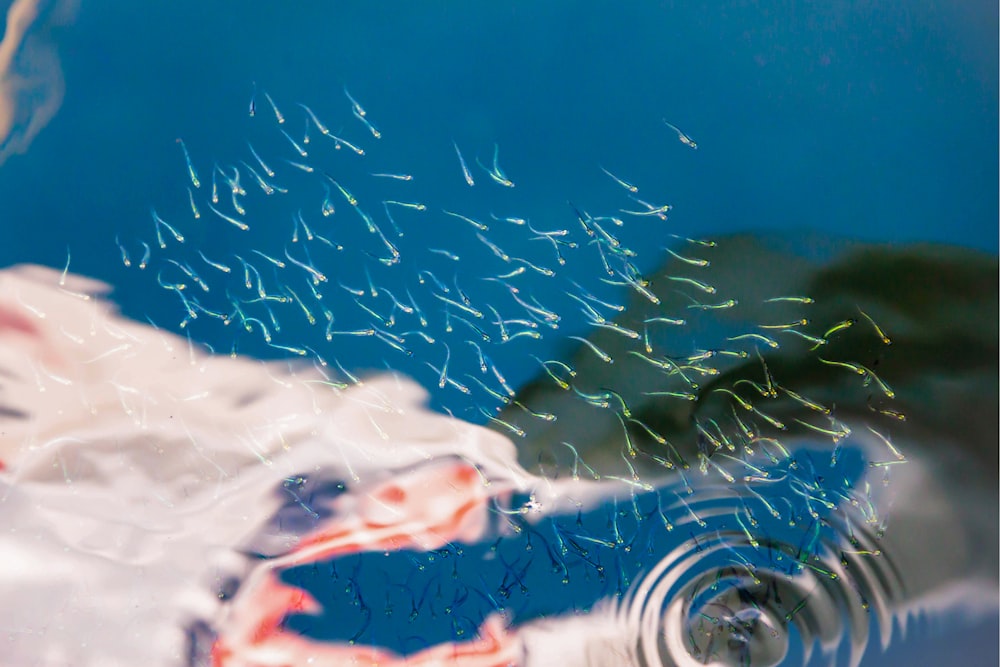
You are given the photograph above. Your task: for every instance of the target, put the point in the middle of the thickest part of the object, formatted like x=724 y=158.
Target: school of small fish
x=327 y=235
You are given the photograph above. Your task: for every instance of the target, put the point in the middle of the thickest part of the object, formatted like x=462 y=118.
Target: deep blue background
x=868 y=120
x=875 y=121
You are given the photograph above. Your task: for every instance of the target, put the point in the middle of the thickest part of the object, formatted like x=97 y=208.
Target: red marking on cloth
x=425 y=509
x=16 y=321
x=392 y=494
x=282 y=600
x=274 y=646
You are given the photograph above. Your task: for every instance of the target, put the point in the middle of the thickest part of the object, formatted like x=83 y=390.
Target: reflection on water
x=708 y=574
x=761 y=454
x=31 y=79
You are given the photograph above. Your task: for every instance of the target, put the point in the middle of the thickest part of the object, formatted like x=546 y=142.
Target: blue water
x=876 y=123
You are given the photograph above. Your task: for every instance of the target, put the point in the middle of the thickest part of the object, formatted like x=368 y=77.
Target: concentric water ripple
x=763 y=581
